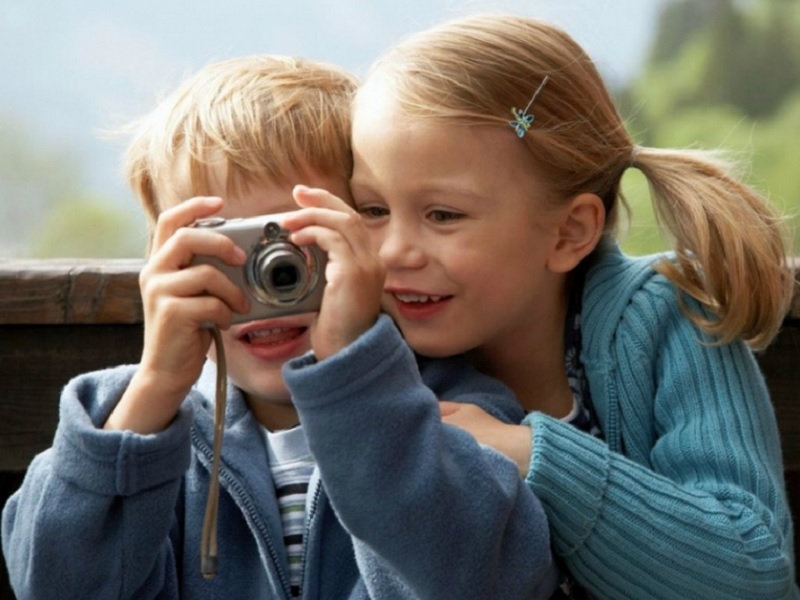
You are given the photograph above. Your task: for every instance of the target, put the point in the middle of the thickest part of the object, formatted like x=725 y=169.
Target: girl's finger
x=447 y=408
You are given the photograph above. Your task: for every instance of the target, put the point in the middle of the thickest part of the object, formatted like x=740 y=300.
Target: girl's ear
x=579 y=231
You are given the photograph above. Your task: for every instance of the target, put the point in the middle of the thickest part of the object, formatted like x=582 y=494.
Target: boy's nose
x=402 y=249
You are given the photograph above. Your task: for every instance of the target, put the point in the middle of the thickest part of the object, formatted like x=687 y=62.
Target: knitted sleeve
x=685 y=498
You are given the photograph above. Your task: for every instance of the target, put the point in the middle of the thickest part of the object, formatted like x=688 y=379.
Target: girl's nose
x=402 y=249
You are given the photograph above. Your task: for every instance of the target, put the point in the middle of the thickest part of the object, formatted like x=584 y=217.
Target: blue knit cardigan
x=684 y=497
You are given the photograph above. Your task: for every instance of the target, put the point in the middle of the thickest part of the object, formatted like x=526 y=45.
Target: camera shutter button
x=210 y=222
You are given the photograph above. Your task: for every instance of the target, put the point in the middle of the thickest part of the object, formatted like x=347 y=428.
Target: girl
x=488 y=158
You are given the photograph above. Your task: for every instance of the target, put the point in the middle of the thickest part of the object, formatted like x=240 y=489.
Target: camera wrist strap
x=208 y=544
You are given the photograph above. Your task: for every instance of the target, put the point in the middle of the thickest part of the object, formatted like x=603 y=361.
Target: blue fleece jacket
x=684 y=498
x=429 y=513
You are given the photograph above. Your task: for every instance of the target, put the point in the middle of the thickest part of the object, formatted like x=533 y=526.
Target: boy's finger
x=203 y=280
x=184 y=215
x=188 y=242
x=309 y=197
x=326 y=238
x=347 y=222
x=203 y=310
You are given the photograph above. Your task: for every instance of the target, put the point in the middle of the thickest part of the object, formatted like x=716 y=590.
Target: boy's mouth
x=274 y=344
x=273 y=336
x=276 y=339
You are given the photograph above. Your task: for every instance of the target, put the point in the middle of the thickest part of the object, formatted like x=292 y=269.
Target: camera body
x=279 y=277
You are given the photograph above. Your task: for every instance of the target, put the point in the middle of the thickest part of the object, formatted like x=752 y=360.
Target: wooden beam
x=61 y=292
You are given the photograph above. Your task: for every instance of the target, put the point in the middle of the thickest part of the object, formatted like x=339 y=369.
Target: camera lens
x=281 y=274
x=284 y=277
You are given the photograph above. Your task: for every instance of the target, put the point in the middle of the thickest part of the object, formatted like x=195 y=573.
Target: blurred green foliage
x=88 y=228
x=722 y=75
x=45 y=212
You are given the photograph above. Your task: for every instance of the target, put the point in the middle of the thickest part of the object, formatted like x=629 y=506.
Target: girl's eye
x=372 y=212
x=444 y=216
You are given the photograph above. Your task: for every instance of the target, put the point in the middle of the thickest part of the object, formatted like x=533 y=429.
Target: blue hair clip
x=522 y=120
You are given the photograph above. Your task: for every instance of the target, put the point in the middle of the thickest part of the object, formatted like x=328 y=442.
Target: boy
x=115 y=508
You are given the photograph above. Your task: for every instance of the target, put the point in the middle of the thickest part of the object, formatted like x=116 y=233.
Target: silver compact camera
x=280 y=278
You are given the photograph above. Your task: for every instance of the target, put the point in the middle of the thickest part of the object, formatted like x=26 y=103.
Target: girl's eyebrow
x=361 y=187
x=359 y=183
x=430 y=189
x=450 y=189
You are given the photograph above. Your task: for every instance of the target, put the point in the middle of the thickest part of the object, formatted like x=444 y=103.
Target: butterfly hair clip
x=522 y=120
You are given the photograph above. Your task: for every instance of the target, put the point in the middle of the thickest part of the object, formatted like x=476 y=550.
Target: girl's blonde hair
x=731 y=246
x=260 y=117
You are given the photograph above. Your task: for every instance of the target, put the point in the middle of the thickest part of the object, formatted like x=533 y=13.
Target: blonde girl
x=487 y=163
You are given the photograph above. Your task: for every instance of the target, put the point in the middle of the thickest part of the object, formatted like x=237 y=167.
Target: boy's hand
x=177 y=300
x=354 y=272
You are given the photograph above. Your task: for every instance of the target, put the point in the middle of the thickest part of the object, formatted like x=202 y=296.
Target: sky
x=70 y=69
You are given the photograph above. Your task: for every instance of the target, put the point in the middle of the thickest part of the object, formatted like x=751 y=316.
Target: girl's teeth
x=417 y=298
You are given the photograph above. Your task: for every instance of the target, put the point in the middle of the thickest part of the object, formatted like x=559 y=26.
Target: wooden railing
x=62 y=318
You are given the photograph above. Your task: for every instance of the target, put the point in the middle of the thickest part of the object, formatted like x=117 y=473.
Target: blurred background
x=688 y=73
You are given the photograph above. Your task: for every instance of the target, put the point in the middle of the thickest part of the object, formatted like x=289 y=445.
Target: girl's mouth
x=417 y=298
x=419 y=306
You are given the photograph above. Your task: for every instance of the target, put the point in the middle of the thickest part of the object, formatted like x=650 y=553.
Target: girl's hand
x=354 y=272
x=177 y=299
x=515 y=441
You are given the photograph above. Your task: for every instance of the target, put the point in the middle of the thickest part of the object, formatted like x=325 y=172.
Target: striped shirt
x=291 y=464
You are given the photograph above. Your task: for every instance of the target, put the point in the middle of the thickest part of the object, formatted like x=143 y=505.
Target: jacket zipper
x=241 y=498
x=312 y=511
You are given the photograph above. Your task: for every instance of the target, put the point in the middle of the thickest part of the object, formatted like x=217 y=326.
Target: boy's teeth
x=262 y=333
x=417 y=298
x=266 y=332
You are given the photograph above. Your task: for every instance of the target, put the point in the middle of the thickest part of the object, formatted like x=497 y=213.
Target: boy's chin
x=267 y=391
x=272 y=408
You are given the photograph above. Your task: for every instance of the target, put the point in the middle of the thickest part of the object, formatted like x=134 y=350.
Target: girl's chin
x=430 y=350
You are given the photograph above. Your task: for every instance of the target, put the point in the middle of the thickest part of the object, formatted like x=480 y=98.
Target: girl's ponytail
x=731 y=244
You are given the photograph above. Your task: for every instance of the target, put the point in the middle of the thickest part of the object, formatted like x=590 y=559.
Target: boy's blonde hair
x=731 y=245
x=260 y=118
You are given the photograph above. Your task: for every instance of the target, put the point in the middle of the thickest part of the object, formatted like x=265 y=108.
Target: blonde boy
x=115 y=508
